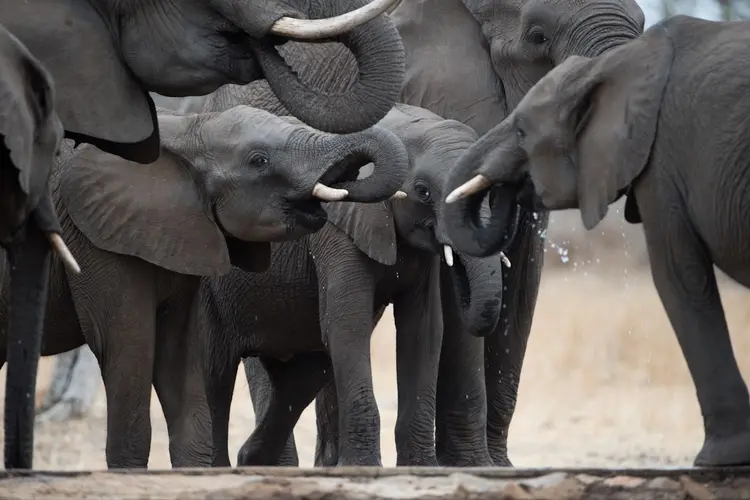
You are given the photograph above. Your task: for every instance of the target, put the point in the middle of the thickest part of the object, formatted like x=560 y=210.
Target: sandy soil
x=604 y=382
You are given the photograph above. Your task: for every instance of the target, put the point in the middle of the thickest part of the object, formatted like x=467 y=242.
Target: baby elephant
x=662 y=120
x=225 y=185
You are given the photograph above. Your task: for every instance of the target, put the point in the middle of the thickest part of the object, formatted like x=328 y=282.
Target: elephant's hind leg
x=684 y=276
x=294 y=385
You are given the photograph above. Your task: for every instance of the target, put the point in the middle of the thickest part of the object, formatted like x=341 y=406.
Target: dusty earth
x=604 y=383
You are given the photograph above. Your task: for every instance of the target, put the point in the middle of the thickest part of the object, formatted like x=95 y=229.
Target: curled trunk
x=377 y=47
x=29 y=272
x=478 y=289
x=348 y=153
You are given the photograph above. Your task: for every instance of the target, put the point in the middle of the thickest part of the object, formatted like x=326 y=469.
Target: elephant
x=225 y=185
x=623 y=124
x=30 y=138
x=309 y=318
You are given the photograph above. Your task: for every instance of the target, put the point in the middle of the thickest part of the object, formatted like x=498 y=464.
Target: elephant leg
x=327 y=422
x=505 y=348
x=116 y=304
x=261 y=393
x=294 y=384
x=461 y=406
x=29 y=278
x=75 y=384
x=178 y=380
x=219 y=389
x=684 y=277
x=419 y=333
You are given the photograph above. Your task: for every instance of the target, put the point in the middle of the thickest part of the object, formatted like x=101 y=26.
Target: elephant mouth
x=307 y=213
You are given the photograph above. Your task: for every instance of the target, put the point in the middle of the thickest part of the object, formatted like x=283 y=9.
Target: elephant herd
x=319 y=160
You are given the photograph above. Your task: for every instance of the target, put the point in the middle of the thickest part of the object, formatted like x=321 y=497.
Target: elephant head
x=105 y=55
x=224 y=186
x=434 y=145
x=578 y=139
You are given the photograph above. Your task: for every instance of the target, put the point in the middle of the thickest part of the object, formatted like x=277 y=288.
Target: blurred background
x=604 y=382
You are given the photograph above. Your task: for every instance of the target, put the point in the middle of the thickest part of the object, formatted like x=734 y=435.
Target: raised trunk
x=377 y=47
x=350 y=152
x=29 y=273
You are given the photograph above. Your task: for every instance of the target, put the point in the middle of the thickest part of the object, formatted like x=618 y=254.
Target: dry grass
x=604 y=381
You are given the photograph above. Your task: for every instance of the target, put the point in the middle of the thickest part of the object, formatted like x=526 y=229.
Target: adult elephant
x=225 y=184
x=105 y=55
x=621 y=126
x=30 y=135
x=473 y=61
x=337 y=283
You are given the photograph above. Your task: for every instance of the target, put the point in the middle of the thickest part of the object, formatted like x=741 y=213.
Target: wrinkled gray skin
x=124 y=49
x=334 y=286
x=594 y=129
x=472 y=61
x=224 y=186
x=30 y=135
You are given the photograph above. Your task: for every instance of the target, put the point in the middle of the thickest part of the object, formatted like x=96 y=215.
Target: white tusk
x=64 y=252
x=399 y=195
x=448 y=252
x=475 y=185
x=315 y=29
x=326 y=193
x=505 y=259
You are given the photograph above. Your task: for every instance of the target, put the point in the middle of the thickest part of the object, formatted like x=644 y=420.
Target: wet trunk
x=29 y=273
x=377 y=47
x=478 y=289
x=347 y=154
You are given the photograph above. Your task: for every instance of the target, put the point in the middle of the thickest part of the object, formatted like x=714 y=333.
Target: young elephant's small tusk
x=448 y=252
x=63 y=251
x=326 y=193
x=505 y=259
x=315 y=29
x=475 y=185
x=399 y=195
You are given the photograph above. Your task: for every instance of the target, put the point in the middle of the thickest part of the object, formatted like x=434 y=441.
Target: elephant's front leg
x=684 y=276
x=461 y=406
x=419 y=334
x=293 y=385
x=117 y=307
x=346 y=311
x=261 y=392
x=505 y=348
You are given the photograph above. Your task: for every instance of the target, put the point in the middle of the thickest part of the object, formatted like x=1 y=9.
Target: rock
x=587 y=479
x=627 y=482
x=696 y=491
x=663 y=483
x=568 y=489
x=545 y=481
x=514 y=491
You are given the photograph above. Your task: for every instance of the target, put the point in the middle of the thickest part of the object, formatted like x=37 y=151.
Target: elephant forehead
x=236 y=126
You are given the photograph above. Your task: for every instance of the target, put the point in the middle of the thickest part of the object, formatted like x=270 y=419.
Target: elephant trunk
x=379 y=53
x=29 y=275
x=346 y=154
x=500 y=161
x=478 y=288
x=603 y=28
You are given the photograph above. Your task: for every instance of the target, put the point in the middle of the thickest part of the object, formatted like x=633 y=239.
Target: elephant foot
x=466 y=460
x=723 y=451
x=373 y=461
x=253 y=455
x=63 y=411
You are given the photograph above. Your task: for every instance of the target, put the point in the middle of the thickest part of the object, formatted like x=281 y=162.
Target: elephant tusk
x=399 y=195
x=505 y=259
x=326 y=193
x=315 y=29
x=448 y=252
x=64 y=252
x=475 y=185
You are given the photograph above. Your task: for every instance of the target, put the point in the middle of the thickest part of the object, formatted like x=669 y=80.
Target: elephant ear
x=617 y=101
x=445 y=50
x=154 y=212
x=98 y=99
x=30 y=129
x=370 y=226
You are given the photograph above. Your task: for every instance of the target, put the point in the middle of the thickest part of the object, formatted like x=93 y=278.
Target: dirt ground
x=604 y=383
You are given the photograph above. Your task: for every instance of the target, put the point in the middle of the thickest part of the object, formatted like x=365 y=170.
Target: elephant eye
x=537 y=37
x=423 y=193
x=520 y=133
x=258 y=159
